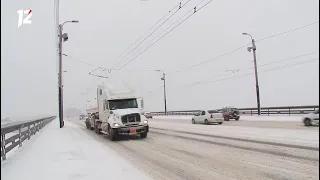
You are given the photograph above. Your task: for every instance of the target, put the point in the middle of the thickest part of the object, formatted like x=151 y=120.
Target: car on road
x=230 y=113
x=81 y=117
x=207 y=117
x=148 y=115
x=311 y=118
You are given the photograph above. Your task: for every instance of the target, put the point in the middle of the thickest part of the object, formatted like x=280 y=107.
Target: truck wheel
x=237 y=118
x=87 y=125
x=193 y=121
x=112 y=133
x=143 y=135
x=307 y=122
x=96 y=129
x=226 y=118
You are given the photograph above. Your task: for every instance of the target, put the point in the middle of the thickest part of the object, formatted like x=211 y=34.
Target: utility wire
x=218 y=57
x=86 y=63
x=179 y=7
x=107 y=69
x=225 y=54
x=194 y=11
x=285 y=32
x=268 y=70
x=156 y=37
x=286 y=59
x=236 y=49
x=243 y=75
x=266 y=64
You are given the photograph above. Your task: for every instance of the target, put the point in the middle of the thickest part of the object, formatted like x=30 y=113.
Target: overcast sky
x=107 y=28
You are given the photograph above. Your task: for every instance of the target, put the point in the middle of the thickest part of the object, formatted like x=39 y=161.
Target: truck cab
x=119 y=114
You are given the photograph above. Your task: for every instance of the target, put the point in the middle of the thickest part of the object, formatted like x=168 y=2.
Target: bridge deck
x=65 y=154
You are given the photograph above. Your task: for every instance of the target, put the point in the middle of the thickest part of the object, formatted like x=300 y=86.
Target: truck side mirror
x=111 y=112
x=141 y=103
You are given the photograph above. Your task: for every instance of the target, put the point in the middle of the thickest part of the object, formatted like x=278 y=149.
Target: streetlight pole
x=60 y=78
x=255 y=70
x=62 y=38
x=164 y=91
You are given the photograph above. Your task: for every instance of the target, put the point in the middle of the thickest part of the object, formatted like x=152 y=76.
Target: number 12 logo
x=26 y=20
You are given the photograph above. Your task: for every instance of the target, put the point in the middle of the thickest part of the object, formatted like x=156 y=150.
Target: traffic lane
x=305 y=137
x=302 y=137
x=271 y=124
x=244 y=123
x=169 y=157
x=281 y=150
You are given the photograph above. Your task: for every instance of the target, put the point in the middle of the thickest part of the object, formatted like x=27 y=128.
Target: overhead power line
x=240 y=47
x=109 y=70
x=266 y=64
x=286 y=32
x=218 y=57
x=104 y=68
x=243 y=75
x=194 y=10
x=83 y=62
x=204 y=62
x=179 y=5
x=268 y=70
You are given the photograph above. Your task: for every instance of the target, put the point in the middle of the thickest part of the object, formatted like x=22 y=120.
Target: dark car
x=81 y=117
x=148 y=115
x=230 y=113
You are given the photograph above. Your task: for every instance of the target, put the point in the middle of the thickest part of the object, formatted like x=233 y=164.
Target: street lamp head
x=75 y=21
x=245 y=33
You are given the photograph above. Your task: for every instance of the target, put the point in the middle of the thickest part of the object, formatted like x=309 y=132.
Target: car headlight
x=116 y=125
x=145 y=122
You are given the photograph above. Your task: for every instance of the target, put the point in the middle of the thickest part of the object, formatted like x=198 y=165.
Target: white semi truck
x=117 y=113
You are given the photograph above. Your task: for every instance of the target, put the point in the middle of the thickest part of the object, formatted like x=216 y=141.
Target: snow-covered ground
x=294 y=118
x=65 y=154
x=303 y=137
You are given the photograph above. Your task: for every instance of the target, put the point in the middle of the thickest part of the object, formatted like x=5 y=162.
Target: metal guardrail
x=281 y=110
x=25 y=130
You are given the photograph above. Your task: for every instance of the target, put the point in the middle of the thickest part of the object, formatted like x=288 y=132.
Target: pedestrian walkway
x=66 y=154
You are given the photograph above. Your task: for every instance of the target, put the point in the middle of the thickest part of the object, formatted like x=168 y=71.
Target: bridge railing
x=13 y=134
x=281 y=110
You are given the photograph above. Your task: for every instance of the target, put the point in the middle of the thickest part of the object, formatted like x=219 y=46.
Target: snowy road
x=296 y=124
x=168 y=153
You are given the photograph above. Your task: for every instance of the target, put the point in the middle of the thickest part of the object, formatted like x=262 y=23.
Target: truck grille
x=131 y=118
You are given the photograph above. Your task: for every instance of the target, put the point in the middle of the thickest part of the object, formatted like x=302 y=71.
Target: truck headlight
x=145 y=122
x=116 y=125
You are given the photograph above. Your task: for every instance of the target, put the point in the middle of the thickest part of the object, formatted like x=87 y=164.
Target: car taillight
x=211 y=116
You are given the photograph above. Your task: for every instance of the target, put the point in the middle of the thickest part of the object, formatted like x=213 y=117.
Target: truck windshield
x=123 y=104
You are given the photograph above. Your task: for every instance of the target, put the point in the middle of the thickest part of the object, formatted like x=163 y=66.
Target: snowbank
x=243 y=118
x=65 y=154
